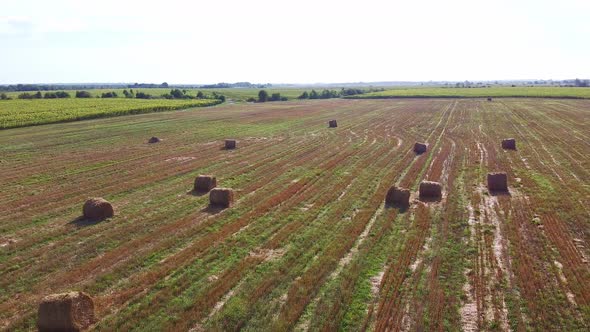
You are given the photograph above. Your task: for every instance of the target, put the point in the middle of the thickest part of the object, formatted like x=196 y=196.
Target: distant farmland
x=535 y=92
x=309 y=244
x=16 y=112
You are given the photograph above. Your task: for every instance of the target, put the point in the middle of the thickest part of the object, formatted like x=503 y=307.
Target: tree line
x=234 y=85
x=327 y=94
x=49 y=95
x=55 y=87
x=264 y=96
x=581 y=83
x=39 y=95
x=91 y=86
x=174 y=94
x=184 y=94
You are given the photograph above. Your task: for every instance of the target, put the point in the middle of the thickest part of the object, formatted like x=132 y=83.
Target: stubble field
x=309 y=244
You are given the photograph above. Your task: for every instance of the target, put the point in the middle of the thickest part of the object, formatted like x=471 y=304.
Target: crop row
x=22 y=113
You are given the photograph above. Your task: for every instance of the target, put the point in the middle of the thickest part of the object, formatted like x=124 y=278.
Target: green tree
x=304 y=95
x=143 y=95
x=25 y=95
x=83 y=94
x=62 y=94
x=128 y=94
x=111 y=94
x=262 y=96
x=275 y=97
x=176 y=94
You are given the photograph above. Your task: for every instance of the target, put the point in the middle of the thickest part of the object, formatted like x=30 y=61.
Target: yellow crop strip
x=22 y=113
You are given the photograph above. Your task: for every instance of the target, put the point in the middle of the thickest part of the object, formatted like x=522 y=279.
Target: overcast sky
x=292 y=41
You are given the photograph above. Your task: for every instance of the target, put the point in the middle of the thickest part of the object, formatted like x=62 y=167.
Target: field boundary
x=460 y=97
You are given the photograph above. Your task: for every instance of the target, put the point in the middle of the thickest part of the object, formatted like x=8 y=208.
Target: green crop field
x=309 y=243
x=21 y=113
x=533 y=92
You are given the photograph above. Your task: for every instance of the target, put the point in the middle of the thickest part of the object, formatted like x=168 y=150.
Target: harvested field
x=308 y=243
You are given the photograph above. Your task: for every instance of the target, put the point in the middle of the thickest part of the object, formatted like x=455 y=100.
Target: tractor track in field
x=390 y=311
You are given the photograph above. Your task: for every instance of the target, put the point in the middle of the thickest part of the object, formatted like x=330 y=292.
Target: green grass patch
x=533 y=92
x=542 y=182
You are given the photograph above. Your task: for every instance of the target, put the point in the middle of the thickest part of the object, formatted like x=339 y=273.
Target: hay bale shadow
x=81 y=221
x=430 y=199
x=197 y=193
x=402 y=208
x=213 y=209
x=499 y=193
